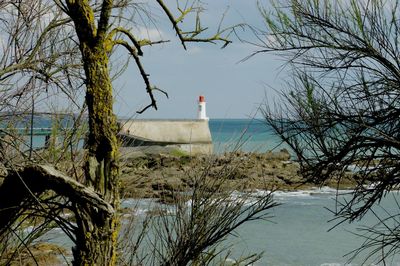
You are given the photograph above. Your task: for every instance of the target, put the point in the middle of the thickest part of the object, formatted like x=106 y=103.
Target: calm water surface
x=250 y=135
x=299 y=233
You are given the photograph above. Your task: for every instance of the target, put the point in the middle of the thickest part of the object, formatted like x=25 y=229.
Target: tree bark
x=97 y=235
x=97 y=239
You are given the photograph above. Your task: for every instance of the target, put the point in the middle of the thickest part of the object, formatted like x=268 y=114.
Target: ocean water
x=40 y=122
x=249 y=135
x=297 y=234
x=300 y=232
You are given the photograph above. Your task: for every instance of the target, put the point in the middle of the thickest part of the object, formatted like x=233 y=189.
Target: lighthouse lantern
x=202 y=109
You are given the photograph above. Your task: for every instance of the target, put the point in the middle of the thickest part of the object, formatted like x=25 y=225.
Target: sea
x=249 y=135
x=302 y=230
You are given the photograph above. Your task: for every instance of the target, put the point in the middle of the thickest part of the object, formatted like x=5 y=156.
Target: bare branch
x=191 y=35
x=132 y=38
x=173 y=21
x=37 y=179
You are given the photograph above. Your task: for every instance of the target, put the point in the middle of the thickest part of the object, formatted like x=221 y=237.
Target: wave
x=144 y=206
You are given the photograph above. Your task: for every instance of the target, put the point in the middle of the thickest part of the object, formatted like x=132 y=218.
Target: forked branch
x=19 y=186
x=191 y=36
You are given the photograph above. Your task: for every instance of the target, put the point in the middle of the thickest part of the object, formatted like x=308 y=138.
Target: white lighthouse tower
x=202 y=109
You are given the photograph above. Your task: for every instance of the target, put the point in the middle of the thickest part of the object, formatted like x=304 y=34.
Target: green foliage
x=179 y=153
x=342 y=108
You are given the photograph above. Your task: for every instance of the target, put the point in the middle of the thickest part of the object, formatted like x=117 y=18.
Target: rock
x=168 y=184
x=162 y=175
x=169 y=197
x=282 y=155
x=44 y=254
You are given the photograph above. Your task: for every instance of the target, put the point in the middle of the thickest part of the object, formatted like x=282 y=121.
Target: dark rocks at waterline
x=154 y=175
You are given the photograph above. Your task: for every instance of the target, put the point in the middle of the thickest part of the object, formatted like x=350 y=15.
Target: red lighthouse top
x=201 y=99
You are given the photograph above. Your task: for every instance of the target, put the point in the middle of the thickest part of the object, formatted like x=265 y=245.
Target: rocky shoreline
x=158 y=173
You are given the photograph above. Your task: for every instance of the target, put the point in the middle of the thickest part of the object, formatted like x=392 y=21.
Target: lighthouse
x=202 y=109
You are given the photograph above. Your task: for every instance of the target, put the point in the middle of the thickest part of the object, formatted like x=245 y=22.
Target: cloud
x=153 y=34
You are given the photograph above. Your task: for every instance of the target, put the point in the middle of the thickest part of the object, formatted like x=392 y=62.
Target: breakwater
x=191 y=136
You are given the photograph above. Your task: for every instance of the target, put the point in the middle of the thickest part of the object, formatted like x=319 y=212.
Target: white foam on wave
x=141 y=207
x=131 y=203
x=310 y=193
x=234 y=198
x=313 y=193
x=248 y=198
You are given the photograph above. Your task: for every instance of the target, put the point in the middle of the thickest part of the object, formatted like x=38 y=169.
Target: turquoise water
x=40 y=123
x=250 y=135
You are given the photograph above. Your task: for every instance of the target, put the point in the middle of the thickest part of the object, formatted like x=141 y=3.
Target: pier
x=191 y=136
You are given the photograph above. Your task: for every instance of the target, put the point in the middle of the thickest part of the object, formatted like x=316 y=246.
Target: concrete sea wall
x=192 y=136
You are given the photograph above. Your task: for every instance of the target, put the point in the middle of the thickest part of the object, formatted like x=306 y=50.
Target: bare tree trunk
x=97 y=235
x=96 y=241
x=97 y=228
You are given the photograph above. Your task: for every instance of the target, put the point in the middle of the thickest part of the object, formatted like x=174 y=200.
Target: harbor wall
x=191 y=136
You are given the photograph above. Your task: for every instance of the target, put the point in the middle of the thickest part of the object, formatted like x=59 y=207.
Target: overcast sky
x=231 y=89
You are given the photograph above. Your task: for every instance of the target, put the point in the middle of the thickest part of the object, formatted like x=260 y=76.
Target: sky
x=232 y=89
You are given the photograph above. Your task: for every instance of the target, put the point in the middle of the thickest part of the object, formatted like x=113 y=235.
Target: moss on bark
x=97 y=235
